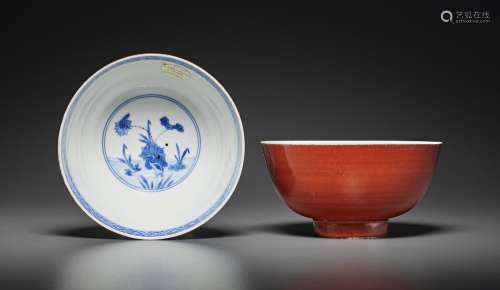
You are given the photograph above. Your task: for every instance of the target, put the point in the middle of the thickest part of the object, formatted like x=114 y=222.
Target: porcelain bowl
x=151 y=146
x=351 y=188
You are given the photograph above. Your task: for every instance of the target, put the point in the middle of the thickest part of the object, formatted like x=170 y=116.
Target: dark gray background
x=337 y=73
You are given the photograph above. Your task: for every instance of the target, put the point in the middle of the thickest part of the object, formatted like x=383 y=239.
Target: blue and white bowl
x=151 y=146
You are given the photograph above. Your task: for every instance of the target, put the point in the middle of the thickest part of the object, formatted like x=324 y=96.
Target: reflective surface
x=129 y=265
x=276 y=250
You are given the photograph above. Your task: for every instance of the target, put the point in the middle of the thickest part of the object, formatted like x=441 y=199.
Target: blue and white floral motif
x=165 y=122
x=123 y=125
x=179 y=165
x=152 y=156
x=131 y=167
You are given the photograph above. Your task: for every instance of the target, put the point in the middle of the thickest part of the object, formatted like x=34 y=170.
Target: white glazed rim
x=232 y=183
x=378 y=142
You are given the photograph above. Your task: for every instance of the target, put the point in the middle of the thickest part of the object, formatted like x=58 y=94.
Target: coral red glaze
x=351 y=190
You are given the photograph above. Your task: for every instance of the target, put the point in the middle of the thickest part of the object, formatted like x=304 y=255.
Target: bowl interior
x=151 y=143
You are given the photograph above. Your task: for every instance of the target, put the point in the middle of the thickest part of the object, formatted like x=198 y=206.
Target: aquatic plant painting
x=151 y=168
x=179 y=165
x=151 y=142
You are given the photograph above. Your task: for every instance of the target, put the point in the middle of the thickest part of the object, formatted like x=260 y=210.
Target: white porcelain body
x=100 y=145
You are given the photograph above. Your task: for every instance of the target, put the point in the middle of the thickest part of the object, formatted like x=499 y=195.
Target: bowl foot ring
x=350 y=229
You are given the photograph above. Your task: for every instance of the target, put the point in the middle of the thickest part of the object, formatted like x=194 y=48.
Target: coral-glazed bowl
x=351 y=188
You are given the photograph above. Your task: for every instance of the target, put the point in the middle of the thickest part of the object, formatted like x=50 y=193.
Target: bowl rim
x=347 y=142
x=144 y=234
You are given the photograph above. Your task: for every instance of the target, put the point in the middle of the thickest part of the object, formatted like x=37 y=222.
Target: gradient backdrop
x=337 y=73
